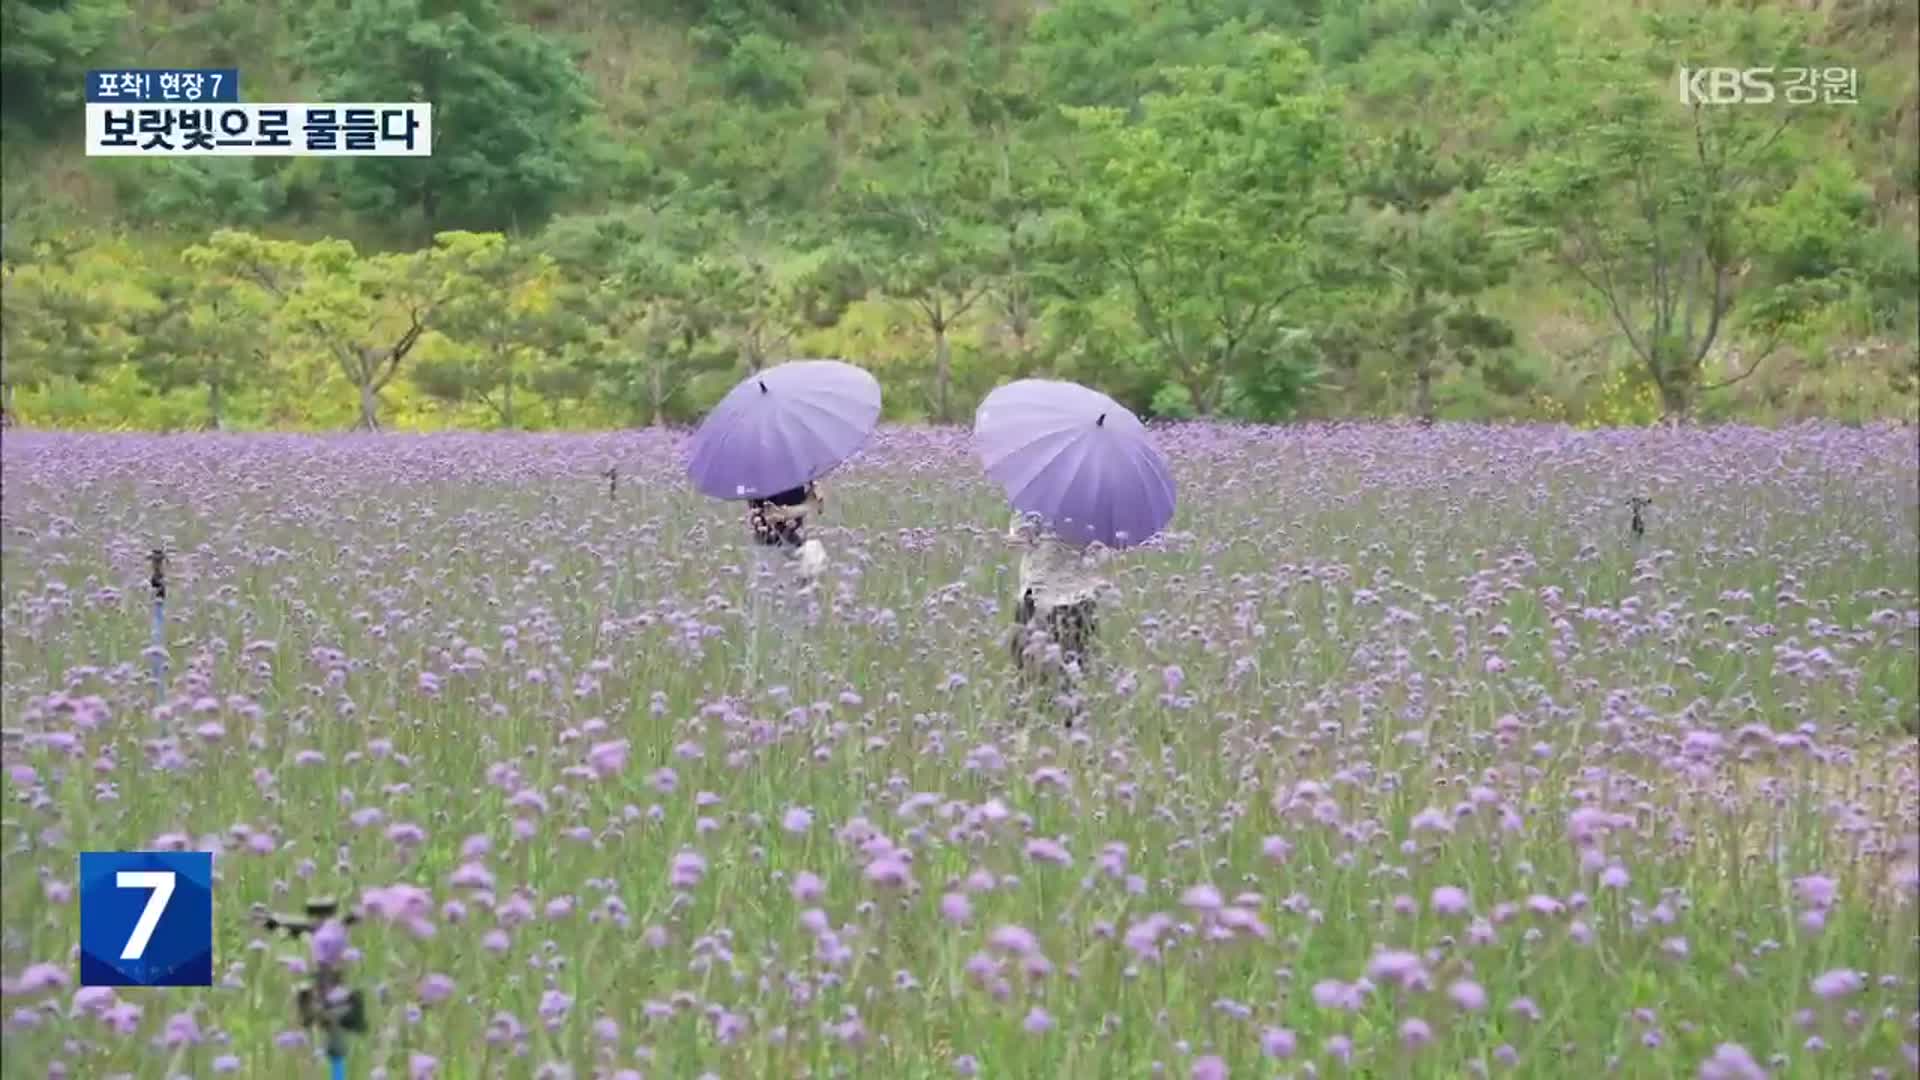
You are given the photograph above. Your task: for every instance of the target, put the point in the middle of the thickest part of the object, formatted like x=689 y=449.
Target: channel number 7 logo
x=146 y=918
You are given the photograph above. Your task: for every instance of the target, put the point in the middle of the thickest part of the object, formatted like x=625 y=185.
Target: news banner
x=197 y=112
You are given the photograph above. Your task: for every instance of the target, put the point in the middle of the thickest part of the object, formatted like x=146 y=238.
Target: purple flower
x=40 y=977
x=1467 y=995
x=798 y=819
x=1015 y=940
x=328 y=944
x=1038 y=1022
x=807 y=887
x=554 y=1007
x=1043 y=850
x=1334 y=994
x=1399 y=966
x=1838 y=984
x=435 y=988
x=608 y=759
x=956 y=908
x=1202 y=897
x=1450 y=900
x=1210 y=1067
x=888 y=873
x=1731 y=1061
x=1815 y=891
x=687 y=870
x=1278 y=1043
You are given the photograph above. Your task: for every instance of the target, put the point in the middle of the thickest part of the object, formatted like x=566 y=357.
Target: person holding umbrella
x=1057 y=605
x=768 y=443
x=1080 y=471
x=779 y=523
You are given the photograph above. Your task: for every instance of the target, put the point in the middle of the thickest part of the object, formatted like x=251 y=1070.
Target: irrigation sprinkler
x=158 y=559
x=326 y=1002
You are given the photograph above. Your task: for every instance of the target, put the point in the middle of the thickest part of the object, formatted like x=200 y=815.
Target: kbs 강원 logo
x=146 y=918
x=1764 y=85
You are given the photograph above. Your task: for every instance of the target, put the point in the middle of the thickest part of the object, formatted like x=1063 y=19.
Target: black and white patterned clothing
x=781 y=520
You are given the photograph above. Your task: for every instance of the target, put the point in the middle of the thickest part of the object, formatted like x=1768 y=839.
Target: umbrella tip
x=763 y=385
x=1102 y=422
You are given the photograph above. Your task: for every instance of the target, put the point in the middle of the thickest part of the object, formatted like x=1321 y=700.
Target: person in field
x=1056 y=612
x=779 y=526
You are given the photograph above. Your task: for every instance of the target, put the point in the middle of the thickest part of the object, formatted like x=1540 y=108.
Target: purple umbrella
x=1077 y=458
x=782 y=428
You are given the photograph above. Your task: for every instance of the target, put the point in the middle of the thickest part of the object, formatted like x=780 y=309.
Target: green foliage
x=360 y=315
x=67 y=312
x=1245 y=208
x=1653 y=205
x=1207 y=212
x=196 y=195
x=926 y=214
x=765 y=70
x=1435 y=251
x=508 y=108
x=201 y=331
x=46 y=47
x=498 y=323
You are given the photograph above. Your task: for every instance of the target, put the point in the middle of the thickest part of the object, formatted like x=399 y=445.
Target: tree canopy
x=1218 y=208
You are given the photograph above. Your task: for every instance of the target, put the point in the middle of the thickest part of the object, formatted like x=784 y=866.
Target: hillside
x=1236 y=207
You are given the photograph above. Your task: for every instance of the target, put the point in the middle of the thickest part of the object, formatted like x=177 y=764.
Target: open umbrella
x=783 y=427
x=1077 y=458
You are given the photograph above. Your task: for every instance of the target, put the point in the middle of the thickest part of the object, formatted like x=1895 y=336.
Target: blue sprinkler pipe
x=337 y=1066
x=159 y=582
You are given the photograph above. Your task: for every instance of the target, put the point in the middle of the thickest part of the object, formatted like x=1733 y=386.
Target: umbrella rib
x=1040 y=467
x=1150 y=478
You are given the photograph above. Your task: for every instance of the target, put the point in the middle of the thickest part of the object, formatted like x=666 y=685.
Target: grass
x=1364 y=664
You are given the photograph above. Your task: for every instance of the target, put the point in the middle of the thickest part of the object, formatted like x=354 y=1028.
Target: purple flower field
x=1403 y=758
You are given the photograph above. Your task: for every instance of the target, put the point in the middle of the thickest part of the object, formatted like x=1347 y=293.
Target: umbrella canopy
x=784 y=427
x=1077 y=458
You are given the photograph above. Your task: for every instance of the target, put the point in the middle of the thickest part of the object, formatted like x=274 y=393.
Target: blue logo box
x=146 y=918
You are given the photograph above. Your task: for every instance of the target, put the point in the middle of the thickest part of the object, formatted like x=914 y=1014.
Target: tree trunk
x=1198 y=393
x=1423 y=386
x=1675 y=400
x=1674 y=379
x=507 y=407
x=369 y=408
x=214 y=419
x=656 y=394
x=942 y=375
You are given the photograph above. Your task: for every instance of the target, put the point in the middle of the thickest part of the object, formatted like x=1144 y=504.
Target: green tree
x=508 y=106
x=500 y=321
x=654 y=311
x=1651 y=203
x=194 y=196
x=926 y=216
x=202 y=330
x=1204 y=212
x=1436 y=254
x=67 y=309
x=365 y=313
x=45 y=49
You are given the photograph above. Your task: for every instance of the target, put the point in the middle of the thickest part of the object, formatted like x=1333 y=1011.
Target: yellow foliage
x=1626 y=398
